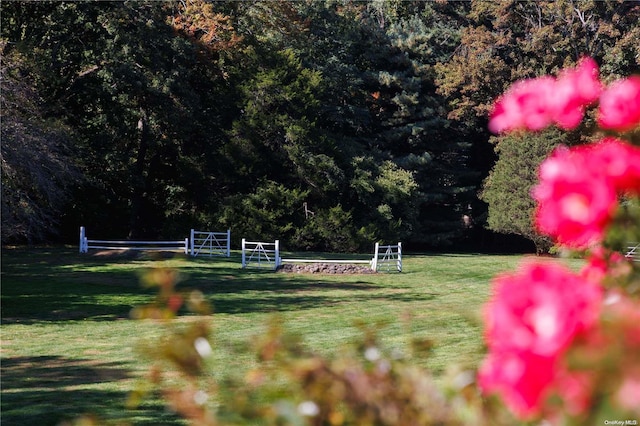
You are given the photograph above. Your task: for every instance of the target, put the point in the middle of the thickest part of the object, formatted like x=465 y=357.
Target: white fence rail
x=334 y=261
x=257 y=254
x=341 y=261
x=387 y=258
x=633 y=252
x=87 y=244
x=211 y=243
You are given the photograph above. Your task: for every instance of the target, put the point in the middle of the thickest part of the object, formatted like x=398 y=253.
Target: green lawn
x=69 y=347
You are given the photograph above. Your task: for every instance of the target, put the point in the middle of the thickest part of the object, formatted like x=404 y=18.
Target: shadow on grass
x=259 y=297
x=45 y=390
x=62 y=285
x=27 y=301
x=51 y=284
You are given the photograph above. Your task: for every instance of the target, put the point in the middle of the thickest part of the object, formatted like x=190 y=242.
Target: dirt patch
x=133 y=254
x=325 y=268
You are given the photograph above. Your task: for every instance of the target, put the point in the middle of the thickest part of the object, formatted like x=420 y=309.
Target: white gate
x=633 y=252
x=211 y=243
x=389 y=257
x=257 y=254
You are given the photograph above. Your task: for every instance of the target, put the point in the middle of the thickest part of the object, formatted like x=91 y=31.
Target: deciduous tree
x=39 y=171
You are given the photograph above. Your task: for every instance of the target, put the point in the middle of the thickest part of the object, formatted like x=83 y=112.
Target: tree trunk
x=138 y=181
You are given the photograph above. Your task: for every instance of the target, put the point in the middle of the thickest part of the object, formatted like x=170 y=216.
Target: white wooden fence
x=87 y=244
x=256 y=254
x=387 y=257
x=211 y=243
x=633 y=252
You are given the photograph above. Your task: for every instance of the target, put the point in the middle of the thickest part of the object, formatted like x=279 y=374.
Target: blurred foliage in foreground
x=363 y=384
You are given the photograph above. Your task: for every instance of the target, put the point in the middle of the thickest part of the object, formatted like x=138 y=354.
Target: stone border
x=324 y=268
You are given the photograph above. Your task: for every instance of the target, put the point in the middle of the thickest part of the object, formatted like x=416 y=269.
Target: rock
x=325 y=268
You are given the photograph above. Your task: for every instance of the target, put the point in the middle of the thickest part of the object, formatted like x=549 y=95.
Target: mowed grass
x=69 y=346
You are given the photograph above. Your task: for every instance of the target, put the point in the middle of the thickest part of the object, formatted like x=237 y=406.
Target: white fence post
x=244 y=260
x=399 y=256
x=277 y=254
x=374 y=261
x=229 y=242
x=193 y=241
x=186 y=246
x=83 y=242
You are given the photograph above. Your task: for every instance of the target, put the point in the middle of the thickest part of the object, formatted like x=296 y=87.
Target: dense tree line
x=326 y=124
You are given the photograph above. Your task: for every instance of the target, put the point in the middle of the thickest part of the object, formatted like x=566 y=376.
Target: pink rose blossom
x=628 y=395
x=620 y=105
x=578 y=190
x=601 y=262
x=540 y=308
x=617 y=161
x=533 y=317
x=522 y=379
x=575 y=389
x=534 y=104
x=524 y=105
x=551 y=332
x=575 y=203
x=585 y=80
x=574 y=89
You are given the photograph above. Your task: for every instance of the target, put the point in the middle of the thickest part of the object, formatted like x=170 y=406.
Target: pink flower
x=602 y=262
x=536 y=103
x=578 y=189
x=620 y=105
x=575 y=203
x=540 y=308
x=574 y=89
x=585 y=80
x=523 y=380
x=534 y=315
x=575 y=389
x=628 y=395
x=524 y=105
x=617 y=161
x=625 y=313
x=550 y=331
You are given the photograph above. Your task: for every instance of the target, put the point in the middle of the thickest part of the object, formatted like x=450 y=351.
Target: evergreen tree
x=300 y=120
x=143 y=102
x=415 y=127
x=507 y=190
x=505 y=41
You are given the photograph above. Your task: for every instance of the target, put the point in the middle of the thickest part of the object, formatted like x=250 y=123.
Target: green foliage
x=272 y=212
x=137 y=96
x=330 y=230
x=625 y=229
x=373 y=109
x=507 y=41
x=507 y=190
x=38 y=165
